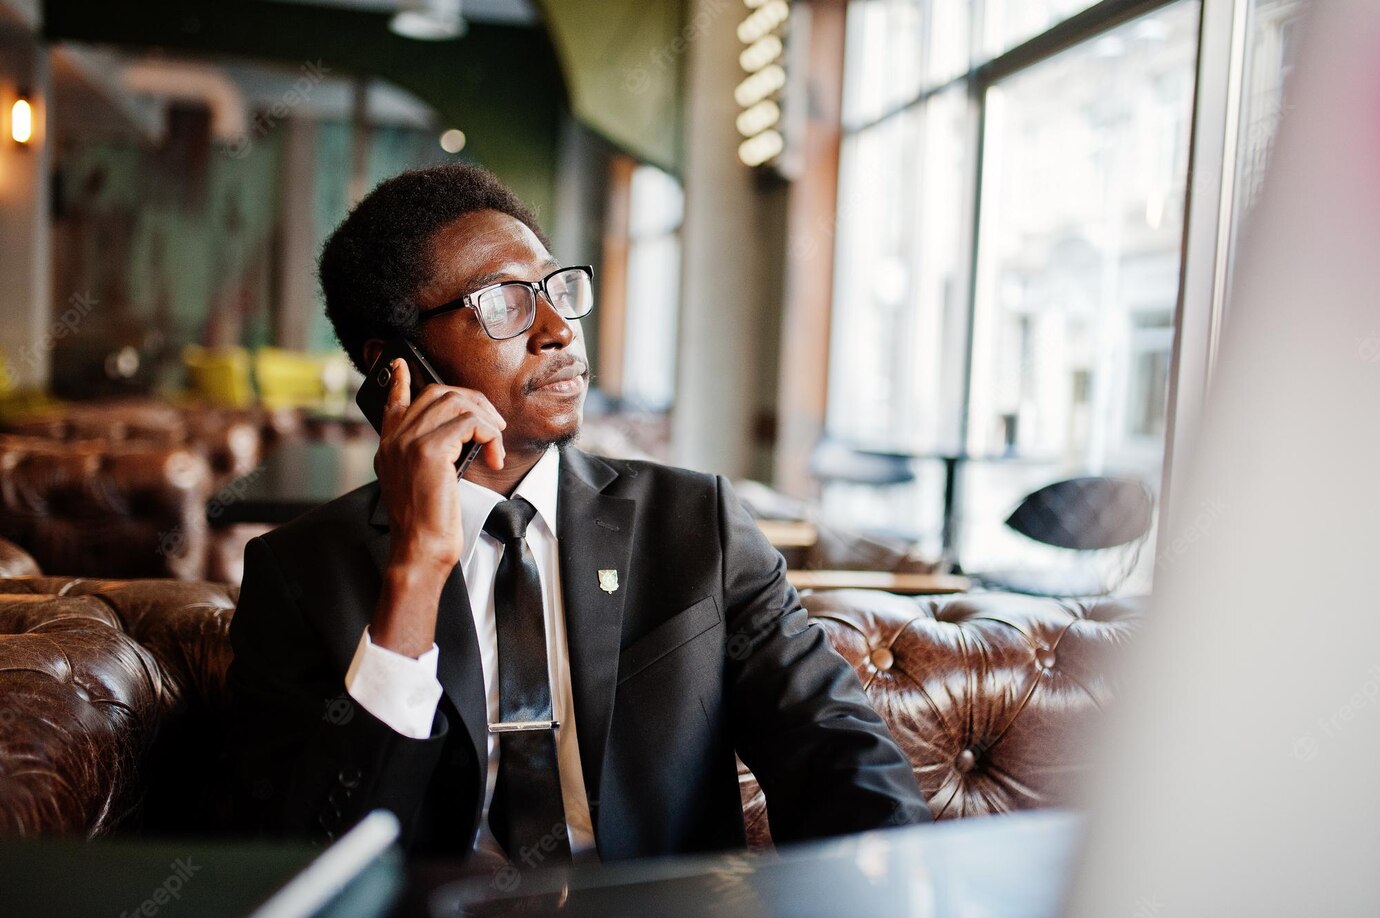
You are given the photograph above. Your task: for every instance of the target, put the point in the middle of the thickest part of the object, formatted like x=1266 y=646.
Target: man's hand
x=415 y=463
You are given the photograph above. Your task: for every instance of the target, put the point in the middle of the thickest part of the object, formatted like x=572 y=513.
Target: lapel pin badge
x=608 y=581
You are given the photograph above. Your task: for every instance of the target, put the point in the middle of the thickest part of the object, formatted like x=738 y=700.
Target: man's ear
x=372 y=348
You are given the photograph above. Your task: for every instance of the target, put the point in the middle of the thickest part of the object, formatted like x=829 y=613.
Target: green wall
x=391 y=150
x=502 y=85
x=186 y=244
x=624 y=61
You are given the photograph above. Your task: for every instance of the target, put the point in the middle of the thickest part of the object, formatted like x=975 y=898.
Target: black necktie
x=526 y=815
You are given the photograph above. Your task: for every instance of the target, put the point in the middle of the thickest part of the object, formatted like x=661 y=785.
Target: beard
x=565 y=439
x=561 y=442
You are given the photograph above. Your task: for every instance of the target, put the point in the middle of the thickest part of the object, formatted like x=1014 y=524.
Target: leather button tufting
x=882 y=658
x=1045 y=657
x=965 y=761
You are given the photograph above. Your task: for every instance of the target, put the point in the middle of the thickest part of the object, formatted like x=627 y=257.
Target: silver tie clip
x=519 y=726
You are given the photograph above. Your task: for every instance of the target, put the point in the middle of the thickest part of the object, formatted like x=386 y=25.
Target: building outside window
x=655 y=212
x=1009 y=254
x=1273 y=32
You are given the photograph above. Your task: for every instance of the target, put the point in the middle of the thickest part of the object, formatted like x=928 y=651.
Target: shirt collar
x=539 y=487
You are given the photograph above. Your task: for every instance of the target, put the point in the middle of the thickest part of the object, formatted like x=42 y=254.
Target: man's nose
x=550 y=328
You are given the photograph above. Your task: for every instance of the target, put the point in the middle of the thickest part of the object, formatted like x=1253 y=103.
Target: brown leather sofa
x=42 y=505
x=111 y=705
x=230 y=440
x=112 y=696
x=130 y=509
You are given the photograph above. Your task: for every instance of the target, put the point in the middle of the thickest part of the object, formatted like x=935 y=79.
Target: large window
x=1011 y=220
x=656 y=206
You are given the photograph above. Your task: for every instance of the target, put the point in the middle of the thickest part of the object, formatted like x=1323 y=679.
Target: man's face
x=474 y=251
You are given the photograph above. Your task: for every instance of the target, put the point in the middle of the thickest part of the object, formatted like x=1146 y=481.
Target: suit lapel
x=595 y=535
x=459 y=669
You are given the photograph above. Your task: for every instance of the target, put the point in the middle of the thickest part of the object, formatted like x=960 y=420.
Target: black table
x=1016 y=866
x=109 y=878
x=295 y=477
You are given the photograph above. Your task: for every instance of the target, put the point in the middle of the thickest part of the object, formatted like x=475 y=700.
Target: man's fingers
x=399 y=392
x=437 y=404
x=494 y=454
x=471 y=398
x=452 y=436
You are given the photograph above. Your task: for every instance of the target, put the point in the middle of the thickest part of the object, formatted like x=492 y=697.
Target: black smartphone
x=373 y=392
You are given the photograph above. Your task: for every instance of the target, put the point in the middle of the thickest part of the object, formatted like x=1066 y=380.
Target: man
x=557 y=656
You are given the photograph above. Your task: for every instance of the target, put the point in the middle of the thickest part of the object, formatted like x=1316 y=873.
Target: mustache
x=558 y=366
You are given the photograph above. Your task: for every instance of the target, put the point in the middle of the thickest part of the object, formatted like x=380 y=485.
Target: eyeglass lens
x=508 y=309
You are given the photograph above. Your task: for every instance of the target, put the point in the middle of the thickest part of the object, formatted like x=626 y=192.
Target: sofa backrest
x=990 y=695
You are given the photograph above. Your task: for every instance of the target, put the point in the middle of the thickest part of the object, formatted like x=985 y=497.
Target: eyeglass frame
x=470 y=300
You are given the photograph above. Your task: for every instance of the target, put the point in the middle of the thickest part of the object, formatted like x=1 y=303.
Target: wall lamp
x=428 y=20
x=22 y=119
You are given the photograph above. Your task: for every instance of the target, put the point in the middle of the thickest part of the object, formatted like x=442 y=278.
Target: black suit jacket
x=702 y=650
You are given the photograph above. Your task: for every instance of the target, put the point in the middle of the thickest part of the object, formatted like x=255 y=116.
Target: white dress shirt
x=403 y=692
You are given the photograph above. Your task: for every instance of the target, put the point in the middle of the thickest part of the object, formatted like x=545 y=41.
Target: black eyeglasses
x=508 y=309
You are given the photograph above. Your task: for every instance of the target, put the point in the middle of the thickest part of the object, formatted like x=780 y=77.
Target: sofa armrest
x=79 y=705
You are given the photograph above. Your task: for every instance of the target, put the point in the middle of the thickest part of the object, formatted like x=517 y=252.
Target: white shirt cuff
x=400 y=691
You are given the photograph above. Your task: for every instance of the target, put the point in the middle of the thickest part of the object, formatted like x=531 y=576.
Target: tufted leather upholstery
x=112 y=696
x=79 y=701
x=112 y=699
x=124 y=510
x=988 y=693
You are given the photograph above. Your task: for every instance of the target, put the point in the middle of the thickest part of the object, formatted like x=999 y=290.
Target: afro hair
x=377 y=259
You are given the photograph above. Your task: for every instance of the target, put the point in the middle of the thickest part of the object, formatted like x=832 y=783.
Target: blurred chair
x=230 y=439
x=106 y=509
x=834 y=461
x=219 y=375
x=289 y=379
x=1090 y=516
